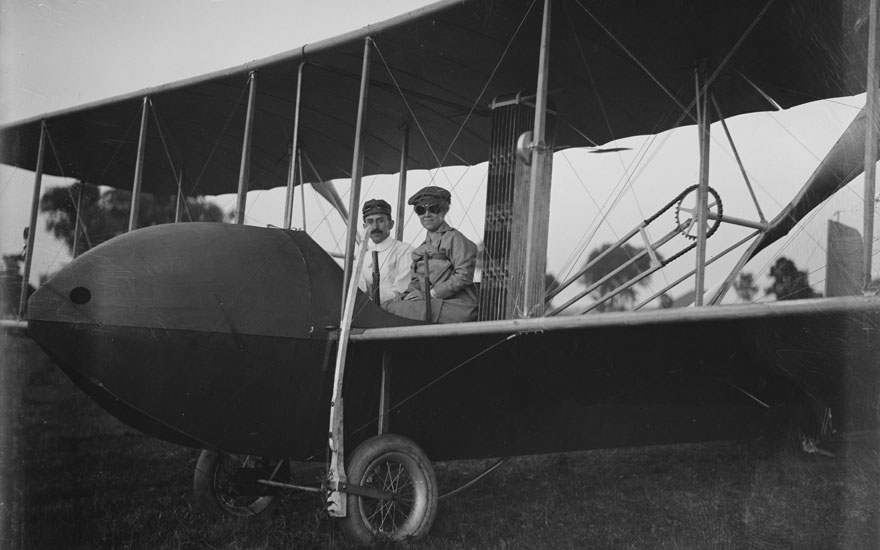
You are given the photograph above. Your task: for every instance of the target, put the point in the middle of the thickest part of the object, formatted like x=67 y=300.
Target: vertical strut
x=32 y=226
x=294 y=149
x=356 y=168
x=244 y=171
x=870 y=146
x=401 y=184
x=178 y=210
x=530 y=300
x=703 y=125
x=385 y=391
x=138 y=169
x=336 y=500
x=302 y=187
x=78 y=220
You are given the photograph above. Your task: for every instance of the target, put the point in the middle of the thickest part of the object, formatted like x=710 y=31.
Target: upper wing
x=617 y=69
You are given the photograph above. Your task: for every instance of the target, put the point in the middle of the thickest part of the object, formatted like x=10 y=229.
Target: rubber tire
x=368 y=457
x=212 y=497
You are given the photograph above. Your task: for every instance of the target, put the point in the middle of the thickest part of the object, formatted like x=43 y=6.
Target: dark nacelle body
x=216 y=336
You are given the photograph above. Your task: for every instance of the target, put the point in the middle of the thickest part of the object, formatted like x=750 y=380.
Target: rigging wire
x=115 y=152
x=198 y=179
x=473 y=105
x=589 y=72
x=685 y=110
x=325 y=214
x=491 y=77
x=9 y=180
x=162 y=138
x=177 y=178
x=631 y=173
x=418 y=124
x=439 y=378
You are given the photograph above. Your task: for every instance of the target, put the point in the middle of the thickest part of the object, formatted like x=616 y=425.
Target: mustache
x=376 y=232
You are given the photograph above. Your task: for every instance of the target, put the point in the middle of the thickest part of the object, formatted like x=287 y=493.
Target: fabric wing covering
x=617 y=69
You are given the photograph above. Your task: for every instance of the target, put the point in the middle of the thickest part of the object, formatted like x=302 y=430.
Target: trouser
x=442 y=311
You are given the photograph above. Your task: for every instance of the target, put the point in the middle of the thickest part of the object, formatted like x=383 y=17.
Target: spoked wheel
x=398 y=467
x=686 y=213
x=226 y=485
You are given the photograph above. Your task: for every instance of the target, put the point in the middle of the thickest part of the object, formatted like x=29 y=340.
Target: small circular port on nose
x=80 y=295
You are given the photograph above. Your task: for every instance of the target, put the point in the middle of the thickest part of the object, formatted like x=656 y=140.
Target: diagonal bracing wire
x=245 y=88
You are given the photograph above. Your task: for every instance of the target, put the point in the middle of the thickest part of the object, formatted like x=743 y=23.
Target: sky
x=56 y=54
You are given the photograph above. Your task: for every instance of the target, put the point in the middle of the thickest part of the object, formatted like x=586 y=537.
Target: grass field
x=74 y=477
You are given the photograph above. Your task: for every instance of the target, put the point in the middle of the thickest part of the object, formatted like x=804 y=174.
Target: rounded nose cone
x=209 y=277
x=188 y=332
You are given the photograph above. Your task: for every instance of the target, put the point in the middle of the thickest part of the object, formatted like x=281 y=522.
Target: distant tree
x=550 y=283
x=789 y=283
x=608 y=264
x=105 y=213
x=745 y=287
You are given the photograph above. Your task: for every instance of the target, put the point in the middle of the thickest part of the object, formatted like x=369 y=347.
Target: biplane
x=246 y=341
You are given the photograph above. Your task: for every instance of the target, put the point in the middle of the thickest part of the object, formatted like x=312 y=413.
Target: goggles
x=435 y=208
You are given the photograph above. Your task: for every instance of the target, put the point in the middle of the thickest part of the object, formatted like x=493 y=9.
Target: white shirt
x=395 y=264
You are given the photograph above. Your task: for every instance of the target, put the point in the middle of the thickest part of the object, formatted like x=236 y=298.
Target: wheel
x=392 y=464
x=225 y=485
x=688 y=227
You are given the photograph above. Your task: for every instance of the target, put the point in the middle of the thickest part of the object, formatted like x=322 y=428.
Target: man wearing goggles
x=444 y=263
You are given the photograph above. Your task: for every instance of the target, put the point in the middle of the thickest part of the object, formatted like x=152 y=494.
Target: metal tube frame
x=294 y=150
x=562 y=286
x=703 y=129
x=739 y=161
x=690 y=273
x=532 y=303
x=728 y=281
x=356 y=167
x=401 y=184
x=663 y=240
x=32 y=225
x=178 y=210
x=302 y=188
x=336 y=500
x=870 y=147
x=245 y=169
x=139 y=168
x=78 y=220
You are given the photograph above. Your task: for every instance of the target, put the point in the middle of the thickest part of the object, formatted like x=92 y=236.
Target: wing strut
x=78 y=220
x=139 y=169
x=357 y=166
x=32 y=226
x=181 y=201
x=401 y=184
x=336 y=500
x=244 y=172
x=294 y=153
x=533 y=298
x=703 y=129
x=870 y=145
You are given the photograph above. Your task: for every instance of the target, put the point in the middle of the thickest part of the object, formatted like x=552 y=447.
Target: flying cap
x=376 y=206
x=430 y=194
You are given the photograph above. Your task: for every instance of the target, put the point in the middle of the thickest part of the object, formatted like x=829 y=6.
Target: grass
x=74 y=477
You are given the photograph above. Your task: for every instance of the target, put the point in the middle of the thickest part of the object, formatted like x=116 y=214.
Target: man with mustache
x=395 y=257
